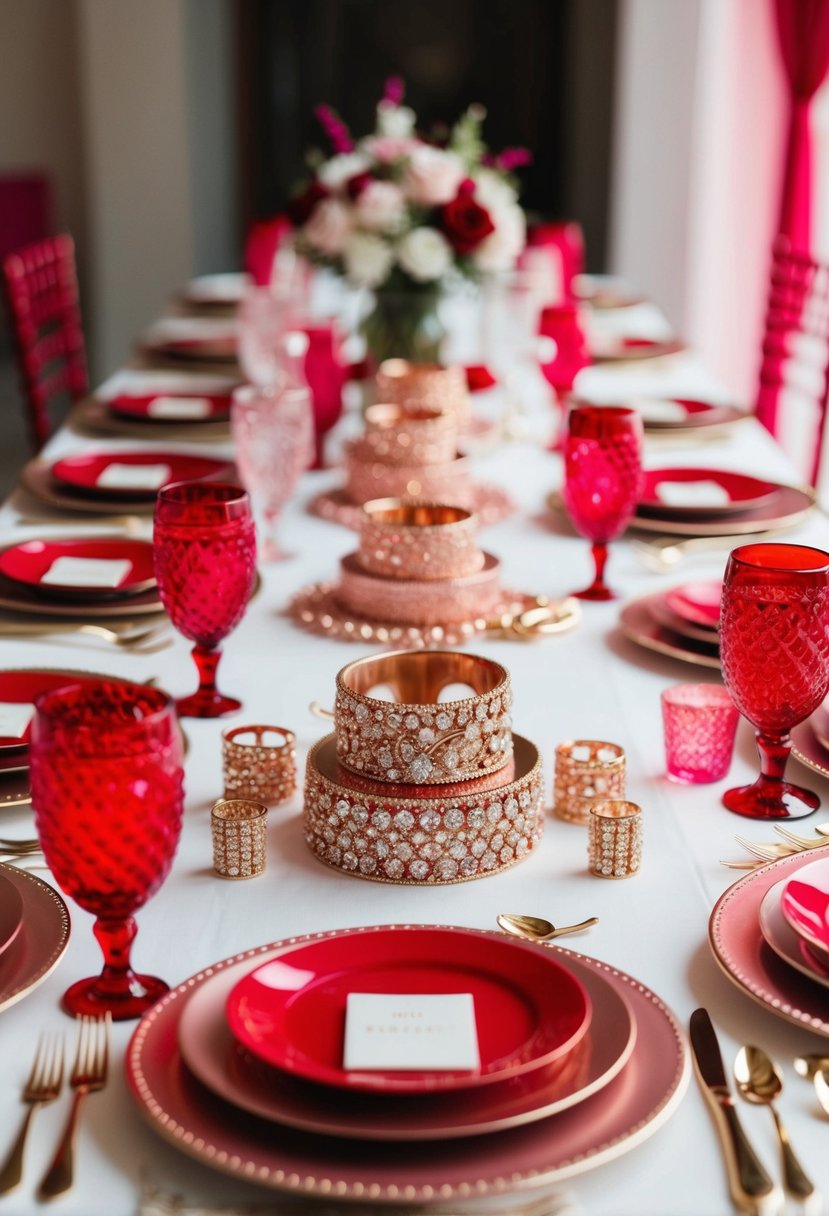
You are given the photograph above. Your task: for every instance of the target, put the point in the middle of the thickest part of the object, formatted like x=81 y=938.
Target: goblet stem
x=557 y=438
x=598 y=589
x=118 y=989
x=770 y=797
x=207 y=701
x=270 y=548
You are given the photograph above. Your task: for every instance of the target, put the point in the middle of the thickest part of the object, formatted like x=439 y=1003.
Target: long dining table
x=590 y=682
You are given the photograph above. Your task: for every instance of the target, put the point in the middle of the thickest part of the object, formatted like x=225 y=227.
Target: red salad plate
x=27 y=564
x=22 y=686
x=705 y=492
x=697 y=603
x=683 y=413
x=290 y=1012
x=177 y=406
x=785 y=942
x=805 y=905
x=11 y=912
x=89 y=473
x=217 y=1061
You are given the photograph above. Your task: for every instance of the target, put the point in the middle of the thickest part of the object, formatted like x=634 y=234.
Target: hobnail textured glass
x=204 y=551
x=700 y=722
x=774 y=645
x=602 y=479
x=106 y=773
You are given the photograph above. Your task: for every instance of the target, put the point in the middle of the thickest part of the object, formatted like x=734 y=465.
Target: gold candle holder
x=586 y=770
x=396 y=435
x=614 y=847
x=238 y=830
x=258 y=770
x=424 y=386
x=418 y=540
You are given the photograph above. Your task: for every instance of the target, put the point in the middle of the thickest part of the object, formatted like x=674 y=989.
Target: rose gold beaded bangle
x=415 y=385
x=586 y=770
x=417 y=739
x=409 y=601
x=418 y=540
x=420 y=436
x=366 y=478
x=256 y=767
x=374 y=833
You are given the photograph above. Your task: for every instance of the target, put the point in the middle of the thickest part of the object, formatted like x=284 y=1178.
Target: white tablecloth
x=591 y=683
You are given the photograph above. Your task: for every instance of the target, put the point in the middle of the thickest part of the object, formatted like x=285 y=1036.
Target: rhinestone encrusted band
x=428 y=840
x=418 y=739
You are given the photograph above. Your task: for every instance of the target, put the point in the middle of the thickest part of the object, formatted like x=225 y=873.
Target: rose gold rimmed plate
x=785 y=942
x=43 y=937
x=490 y=504
x=639 y=623
x=17 y=597
x=747 y=959
x=663 y=613
x=213 y=1056
x=11 y=912
x=783 y=509
x=808 y=748
x=628 y=1110
x=93 y=417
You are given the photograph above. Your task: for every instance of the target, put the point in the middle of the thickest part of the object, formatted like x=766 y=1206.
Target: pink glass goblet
x=774 y=646
x=204 y=552
x=106 y=773
x=602 y=479
x=562 y=353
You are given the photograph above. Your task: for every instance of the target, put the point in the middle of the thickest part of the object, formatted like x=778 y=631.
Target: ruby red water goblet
x=774 y=646
x=106 y=773
x=602 y=479
x=562 y=353
x=204 y=552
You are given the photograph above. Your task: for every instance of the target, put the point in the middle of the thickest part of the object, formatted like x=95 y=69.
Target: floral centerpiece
x=404 y=214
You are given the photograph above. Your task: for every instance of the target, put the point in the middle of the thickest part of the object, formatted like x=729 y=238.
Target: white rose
x=425 y=254
x=501 y=248
x=433 y=176
x=328 y=226
x=336 y=171
x=368 y=259
x=380 y=206
x=394 y=122
x=492 y=192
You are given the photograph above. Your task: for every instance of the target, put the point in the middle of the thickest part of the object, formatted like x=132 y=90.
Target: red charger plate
x=23 y=687
x=290 y=1011
x=27 y=563
x=139 y=406
x=743 y=492
x=83 y=472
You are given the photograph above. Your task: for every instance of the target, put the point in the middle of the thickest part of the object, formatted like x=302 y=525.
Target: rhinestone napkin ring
x=429 y=385
x=255 y=766
x=418 y=540
x=614 y=844
x=238 y=831
x=427 y=836
x=416 y=738
x=395 y=435
x=586 y=769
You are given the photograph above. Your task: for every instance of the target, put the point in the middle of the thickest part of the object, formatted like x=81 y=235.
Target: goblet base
x=597 y=592
x=765 y=799
x=206 y=703
x=93 y=997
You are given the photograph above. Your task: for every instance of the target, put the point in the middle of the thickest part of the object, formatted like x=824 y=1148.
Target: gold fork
x=89 y=1074
x=147 y=639
x=42 y=1086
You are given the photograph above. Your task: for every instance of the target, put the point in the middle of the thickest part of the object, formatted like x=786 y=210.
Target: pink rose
x=328 y=227
x=380 y=206
x=387 y=148
x=433 y=176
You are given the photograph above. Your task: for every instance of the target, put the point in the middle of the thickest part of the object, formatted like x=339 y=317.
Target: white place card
x=87 y=572
x=655 y=409
x=693 y=494
x=134 y=476
x=414 y=1032
x=179 y=407
x=15 y=717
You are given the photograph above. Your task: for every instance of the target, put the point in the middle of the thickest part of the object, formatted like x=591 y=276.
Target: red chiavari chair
x=42 y=292
x=793 y=392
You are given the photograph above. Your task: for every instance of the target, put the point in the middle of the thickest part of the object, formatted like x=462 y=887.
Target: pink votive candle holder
x=700 y=723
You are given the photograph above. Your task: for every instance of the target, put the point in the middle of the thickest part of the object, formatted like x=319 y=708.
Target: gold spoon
x=535 y=929
x=822 y=1086
x=809 y=1066
x=760 y=1081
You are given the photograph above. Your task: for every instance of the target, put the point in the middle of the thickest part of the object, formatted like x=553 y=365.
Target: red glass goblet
x=106 y=773
x=774 y=645
x=602 y=479
x=562 y=353
x=204 y=551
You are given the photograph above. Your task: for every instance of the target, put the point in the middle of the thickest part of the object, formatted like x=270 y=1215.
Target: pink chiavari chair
x=42 y=292
x=794 y=371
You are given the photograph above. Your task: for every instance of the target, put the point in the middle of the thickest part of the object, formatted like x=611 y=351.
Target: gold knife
x=748 y=1181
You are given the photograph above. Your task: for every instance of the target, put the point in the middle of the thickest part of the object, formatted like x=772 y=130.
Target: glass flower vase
x=405 y=323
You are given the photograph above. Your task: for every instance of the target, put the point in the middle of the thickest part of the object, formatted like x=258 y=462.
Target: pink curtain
x=803 y=34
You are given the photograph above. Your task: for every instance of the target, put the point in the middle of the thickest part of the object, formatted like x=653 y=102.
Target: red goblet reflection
x=204 y=551
x=774 y=645
x=106 y=772
x=602 y=479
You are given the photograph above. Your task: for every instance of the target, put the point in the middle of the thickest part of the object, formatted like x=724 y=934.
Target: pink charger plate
x=290 y=1012
x=44 y=935
x=805 y=905
x=622 y=1115
x=11 y=912
x=213 y=1056
x=747 y=959
x=83 y=472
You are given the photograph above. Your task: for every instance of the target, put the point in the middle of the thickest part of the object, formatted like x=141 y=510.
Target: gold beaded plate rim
x=489 y=504
x=167 y=1123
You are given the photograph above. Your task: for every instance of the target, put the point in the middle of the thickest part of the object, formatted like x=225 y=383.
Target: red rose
x=355 y=185
x=301 y=206
x=465 y=222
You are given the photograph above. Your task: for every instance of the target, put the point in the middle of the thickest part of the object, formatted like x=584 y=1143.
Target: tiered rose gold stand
x=423 y=792
x=410 y=451
x=418 y=579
